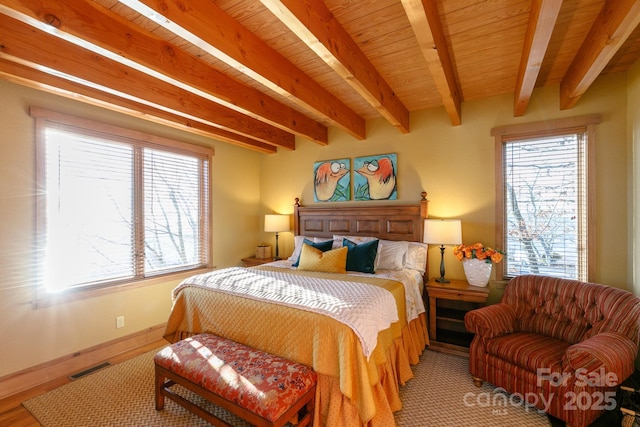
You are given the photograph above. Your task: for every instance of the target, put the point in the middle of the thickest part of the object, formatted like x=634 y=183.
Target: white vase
x=477 y=271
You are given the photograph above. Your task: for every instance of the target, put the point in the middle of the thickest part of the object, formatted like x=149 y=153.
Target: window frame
x=137 y=138
x=506 y=134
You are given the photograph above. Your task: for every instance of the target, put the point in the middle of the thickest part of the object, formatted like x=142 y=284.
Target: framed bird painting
x=332 y=180
x=375 y=177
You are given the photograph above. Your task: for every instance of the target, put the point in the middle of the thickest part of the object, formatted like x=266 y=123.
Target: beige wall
x=455 y=165
x=34 y=335
x=633 y=226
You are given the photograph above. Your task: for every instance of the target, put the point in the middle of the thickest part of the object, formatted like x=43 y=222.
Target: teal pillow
x=361 y=257
x=323 y=246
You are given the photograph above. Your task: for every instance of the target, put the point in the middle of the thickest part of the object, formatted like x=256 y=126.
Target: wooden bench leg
x=163 y=390
x=158 y=387
x=307 y=402
x=299 y=413
x=307 y=420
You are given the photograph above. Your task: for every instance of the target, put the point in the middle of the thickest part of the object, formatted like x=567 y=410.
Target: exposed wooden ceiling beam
x=31 y=77
x=614 y=24
x=221 y=36
x=316 y=26
x=542 y=20
x=99 y=26
x=28 y=44
x=425 y=21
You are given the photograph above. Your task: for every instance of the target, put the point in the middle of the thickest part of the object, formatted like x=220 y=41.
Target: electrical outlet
x=119 y=322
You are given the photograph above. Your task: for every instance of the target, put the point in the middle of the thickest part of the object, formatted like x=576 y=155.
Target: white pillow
x=297 y=246
x=391 y=255
x=416 y=256
x=337 y=240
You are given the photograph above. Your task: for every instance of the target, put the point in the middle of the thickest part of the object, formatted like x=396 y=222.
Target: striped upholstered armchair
x=563 y=345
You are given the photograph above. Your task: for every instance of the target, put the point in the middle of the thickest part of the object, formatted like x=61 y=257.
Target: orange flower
x=496 y=257
x=479 y=251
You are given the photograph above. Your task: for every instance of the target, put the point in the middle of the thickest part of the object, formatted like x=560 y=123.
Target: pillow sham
x=416 y=256
x=361 y=257
x=322 y=246
x=331 y=261
x=297 y=247
x=338 y=240
x=391 y=255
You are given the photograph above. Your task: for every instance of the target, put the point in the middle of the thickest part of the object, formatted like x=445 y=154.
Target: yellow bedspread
x=351 y=389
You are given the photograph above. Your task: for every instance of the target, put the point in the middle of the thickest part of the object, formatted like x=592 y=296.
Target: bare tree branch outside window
x=541 y=197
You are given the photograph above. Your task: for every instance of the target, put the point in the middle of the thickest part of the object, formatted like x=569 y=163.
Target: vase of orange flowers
x=477 y=261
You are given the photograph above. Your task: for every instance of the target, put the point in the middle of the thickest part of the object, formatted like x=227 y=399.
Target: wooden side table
x=448 y=303
x=253 y=261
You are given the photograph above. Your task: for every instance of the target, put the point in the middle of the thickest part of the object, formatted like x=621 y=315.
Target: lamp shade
x=442 y=231
x=276 y=223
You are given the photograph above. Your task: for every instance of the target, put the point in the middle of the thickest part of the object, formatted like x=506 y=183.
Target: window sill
x=45 y=299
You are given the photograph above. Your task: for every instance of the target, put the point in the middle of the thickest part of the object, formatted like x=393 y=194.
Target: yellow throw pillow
x=333 y=261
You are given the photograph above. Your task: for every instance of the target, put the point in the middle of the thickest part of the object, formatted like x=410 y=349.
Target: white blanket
x=366 y=309
x=411 y=279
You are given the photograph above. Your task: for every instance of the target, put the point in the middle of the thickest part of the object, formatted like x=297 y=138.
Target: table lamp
x=277 y=224
x=442 y=232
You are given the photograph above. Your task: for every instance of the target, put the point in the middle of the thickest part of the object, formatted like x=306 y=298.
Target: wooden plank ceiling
x=259 y=73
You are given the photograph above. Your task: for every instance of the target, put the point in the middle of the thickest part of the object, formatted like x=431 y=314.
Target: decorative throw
x=366 y=309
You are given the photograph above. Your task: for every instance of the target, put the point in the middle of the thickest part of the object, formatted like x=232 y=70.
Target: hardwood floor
x=13 y=414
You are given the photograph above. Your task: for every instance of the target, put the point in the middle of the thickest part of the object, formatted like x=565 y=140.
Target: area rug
x=441 y=394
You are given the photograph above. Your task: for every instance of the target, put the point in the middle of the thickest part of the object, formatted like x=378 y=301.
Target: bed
x=359 y=372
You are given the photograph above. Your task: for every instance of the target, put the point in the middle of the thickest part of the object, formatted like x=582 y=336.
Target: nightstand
x=253 y=261
x=448 y=303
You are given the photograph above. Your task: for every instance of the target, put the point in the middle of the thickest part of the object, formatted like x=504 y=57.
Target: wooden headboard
x=388 y=222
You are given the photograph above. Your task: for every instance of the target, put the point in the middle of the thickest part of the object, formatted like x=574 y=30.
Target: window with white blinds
x=115 y=205
x=544 y=224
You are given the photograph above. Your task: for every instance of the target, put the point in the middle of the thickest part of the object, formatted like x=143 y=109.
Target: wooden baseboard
x=443 y=347
x=72 y=363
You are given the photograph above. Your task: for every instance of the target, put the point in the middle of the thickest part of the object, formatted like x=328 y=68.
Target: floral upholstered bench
x=262 y=389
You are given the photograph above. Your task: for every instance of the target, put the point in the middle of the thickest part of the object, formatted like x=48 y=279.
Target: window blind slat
x=545 y=206
x=89 y=211
x=172 y=211
x=118 y=209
